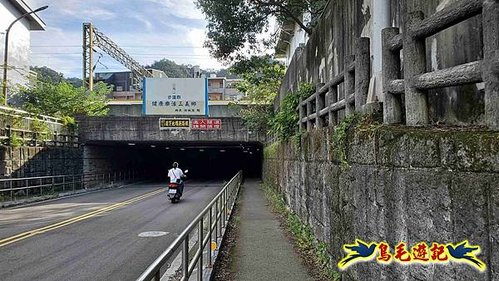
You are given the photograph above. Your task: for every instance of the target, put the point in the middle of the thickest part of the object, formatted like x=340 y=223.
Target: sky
x=148 y=30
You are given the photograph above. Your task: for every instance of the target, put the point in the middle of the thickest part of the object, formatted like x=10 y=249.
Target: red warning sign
x=206 y=124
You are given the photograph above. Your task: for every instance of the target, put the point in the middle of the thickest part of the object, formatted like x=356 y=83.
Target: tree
x=262 y=78
x=172 y=69
x=64 y=100
x=46 y=74
x=232 y=24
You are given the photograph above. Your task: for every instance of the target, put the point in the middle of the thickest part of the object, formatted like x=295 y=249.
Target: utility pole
x=93 y=38
x=88 y=56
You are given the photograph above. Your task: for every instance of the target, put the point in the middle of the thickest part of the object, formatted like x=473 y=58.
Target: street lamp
x=6 y=50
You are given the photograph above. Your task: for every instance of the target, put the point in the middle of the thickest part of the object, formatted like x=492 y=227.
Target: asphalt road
x=95 y=236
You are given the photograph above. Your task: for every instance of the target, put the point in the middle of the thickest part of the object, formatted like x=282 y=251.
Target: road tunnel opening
x=205 y=161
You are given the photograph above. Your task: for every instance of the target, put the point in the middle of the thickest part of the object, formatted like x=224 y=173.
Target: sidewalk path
x=262 y=250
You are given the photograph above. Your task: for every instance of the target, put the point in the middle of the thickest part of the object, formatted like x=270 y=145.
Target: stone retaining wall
x=400 y=185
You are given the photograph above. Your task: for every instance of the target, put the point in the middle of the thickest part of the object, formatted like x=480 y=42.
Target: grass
x=313 y=252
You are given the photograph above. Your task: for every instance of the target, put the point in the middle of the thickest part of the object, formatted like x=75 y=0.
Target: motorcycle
x=174 y=193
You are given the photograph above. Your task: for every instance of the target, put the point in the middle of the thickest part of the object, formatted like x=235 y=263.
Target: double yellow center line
x=27 y=234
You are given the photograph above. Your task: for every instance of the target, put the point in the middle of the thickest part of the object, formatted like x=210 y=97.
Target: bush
x=285 y=123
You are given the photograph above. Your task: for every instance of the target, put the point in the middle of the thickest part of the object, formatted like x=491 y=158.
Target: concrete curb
x=44 y=199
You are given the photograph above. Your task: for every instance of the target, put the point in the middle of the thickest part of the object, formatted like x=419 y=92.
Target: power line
x=135 y=54
x=130 y=46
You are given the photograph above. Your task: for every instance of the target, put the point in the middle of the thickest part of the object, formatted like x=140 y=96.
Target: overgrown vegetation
x=63 y=99
x=262 y=77
x=303 y=236
x=284 y=124
x=15 y=141
x=41 y=129
x=234 y=26
x=366 y=125
x=339 y=139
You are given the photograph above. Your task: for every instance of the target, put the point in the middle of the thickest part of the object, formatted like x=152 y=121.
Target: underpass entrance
x=204 y=160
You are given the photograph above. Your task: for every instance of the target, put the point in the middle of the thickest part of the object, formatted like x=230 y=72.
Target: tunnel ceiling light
x=131 y=143
x=167 y=148
x=201 y=150
x=251 y=153
x=222 y=150
x=153 y=146
x=182 y=149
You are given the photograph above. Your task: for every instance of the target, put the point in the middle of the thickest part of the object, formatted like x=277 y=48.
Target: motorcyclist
x=176 y=175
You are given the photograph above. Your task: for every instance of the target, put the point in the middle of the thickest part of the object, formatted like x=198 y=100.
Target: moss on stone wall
x=271 y=151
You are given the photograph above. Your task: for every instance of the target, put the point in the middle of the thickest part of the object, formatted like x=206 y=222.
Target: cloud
x=182 y=8
x=148 y=30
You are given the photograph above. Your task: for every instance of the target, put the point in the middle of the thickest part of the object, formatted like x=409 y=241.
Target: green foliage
x=70 y=123
x=63 y=99
x=172 y=69
x=262 y=78
x=284 y=124
x=40 y=128
x=256 y=117
x=234 y=24
x=303 y=235
x=340 y=138
x=271 y=150
x=15 y=141
x=48 y=75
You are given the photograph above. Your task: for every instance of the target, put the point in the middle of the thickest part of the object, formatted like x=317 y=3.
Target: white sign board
x=175 y=96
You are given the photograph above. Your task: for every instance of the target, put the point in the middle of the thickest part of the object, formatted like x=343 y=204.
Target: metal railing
x=33 y=138
x=34 y=186
x=216 y=216
x=417 y=81
x=321 y=108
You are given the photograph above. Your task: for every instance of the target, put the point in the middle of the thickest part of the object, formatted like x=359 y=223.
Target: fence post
x=362 y=72
x=392 y=107
x=210 y=231
x=349 y=85
x=302 y=115
x=9 y=134
x=319 y=105
x=185 y=257
x=491 y=56
x=416 y=101
x=11 y=191
x=309 y=112
x=200 y=247
x=332 y=99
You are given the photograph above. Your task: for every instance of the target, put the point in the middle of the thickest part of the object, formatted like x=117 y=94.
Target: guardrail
x=417 y=83
x=322 y=107
x=22 y=187
x=216 y=215
x=33 y=138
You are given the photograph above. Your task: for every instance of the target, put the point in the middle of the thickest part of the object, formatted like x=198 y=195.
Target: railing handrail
x=56 y=176
x=413 y=65
x=46 y=118
x=155 y=267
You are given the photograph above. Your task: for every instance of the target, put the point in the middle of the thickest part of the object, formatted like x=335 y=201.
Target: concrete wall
x=146 y=129
x=19 y=45
x=408 y=185
x=215 y=111
x=40 y=161
x=109 y=159
x=345 y=20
